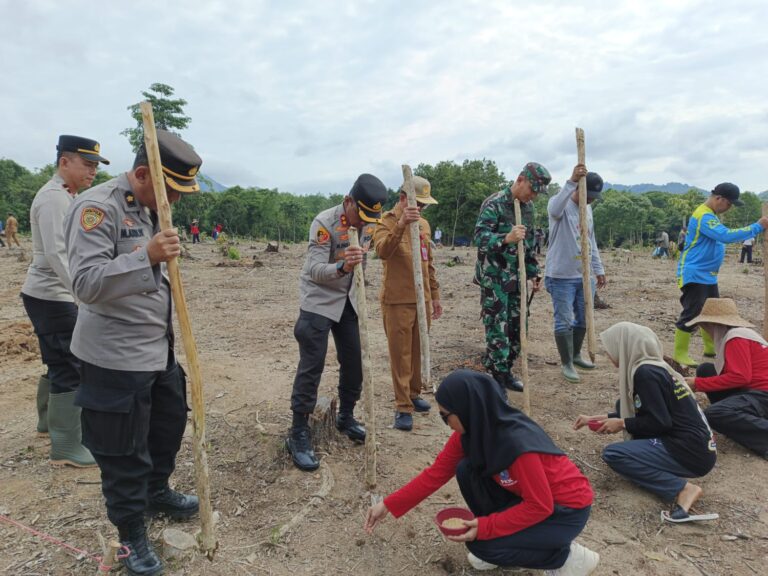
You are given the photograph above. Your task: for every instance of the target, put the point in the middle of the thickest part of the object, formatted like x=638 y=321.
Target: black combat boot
x=142 y=560
x=299 y=444
x=173 y=504
x=351 y=428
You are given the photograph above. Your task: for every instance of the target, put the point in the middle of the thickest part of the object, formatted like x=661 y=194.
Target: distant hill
x=208 y=184
x=670 y=187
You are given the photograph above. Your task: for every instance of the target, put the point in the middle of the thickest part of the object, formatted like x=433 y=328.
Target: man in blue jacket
x=700 y=262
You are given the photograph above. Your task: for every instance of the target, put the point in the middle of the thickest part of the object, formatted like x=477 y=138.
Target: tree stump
x=272 y=247
x=322 y=422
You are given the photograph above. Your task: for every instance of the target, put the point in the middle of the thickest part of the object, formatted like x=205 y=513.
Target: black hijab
x=495 y=434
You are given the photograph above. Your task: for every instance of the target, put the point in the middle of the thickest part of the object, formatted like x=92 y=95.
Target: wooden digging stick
x=523 y=282
x=109 y=552
x=418 y=282
x=586 y=257
x=365 y=351
x=765 y=274
x=207 y=537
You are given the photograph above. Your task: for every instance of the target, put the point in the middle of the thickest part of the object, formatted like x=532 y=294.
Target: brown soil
x=243 y=319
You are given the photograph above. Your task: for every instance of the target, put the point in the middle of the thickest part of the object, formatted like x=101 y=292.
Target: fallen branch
x=317 y=498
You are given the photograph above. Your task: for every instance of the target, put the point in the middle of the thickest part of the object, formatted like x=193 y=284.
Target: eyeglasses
x=445 y=415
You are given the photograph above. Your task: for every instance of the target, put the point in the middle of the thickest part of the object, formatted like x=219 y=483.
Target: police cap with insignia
x=180 y=162
x=87 y=148
x=370 y=194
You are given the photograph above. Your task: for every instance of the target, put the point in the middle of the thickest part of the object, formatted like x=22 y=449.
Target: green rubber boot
x=709 y=344
x=682 y=341
x=578 y=340
x=564 y=341
x=64 y=428
x=43 y=390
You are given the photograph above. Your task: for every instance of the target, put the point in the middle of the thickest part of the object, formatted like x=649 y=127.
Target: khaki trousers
x=401 y=326
x=11 y=237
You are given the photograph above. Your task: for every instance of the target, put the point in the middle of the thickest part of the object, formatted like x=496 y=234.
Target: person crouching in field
x=667 y=438
x=737 y=383
x=529 y=499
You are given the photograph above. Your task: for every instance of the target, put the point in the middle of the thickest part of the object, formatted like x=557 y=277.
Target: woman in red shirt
x=737 y=383
x=529 y=499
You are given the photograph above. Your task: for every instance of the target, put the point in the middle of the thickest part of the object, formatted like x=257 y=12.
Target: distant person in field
x=737 y=382
x=2 y=233
x=328 y=305
x=11 y=230
x=667 y=438
x=392 y=241
x=195 y=231
x=700 y=260
x=563 y=273
x=663 y=243
x=746 y=250
x=529 y=500
x=681 y=238
x=438 y=237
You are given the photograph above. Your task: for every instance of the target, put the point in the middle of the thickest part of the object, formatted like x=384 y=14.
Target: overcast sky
x=306 y=95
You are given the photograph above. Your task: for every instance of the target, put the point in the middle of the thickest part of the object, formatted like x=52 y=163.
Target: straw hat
x=720 y=311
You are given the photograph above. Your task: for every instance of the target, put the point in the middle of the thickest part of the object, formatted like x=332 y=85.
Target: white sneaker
x=478 y=564
x=580 y=562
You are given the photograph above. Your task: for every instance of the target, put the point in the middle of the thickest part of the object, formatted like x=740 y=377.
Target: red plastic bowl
x=595 y=425
x=447 y=513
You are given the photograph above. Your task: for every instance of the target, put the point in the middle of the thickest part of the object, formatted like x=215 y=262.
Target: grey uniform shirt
x=125 y=304
x=48 y=275
x=321 y=289
x=564 y=255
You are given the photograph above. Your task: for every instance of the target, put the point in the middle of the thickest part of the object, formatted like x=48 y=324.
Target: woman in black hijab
x=529 y=500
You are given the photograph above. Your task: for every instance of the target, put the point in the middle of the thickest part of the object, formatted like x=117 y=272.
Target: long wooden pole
x=586 y=257
x=765 y=274
x=418 y=282
x=362 y=319
x=523 y=282
x=207 y=538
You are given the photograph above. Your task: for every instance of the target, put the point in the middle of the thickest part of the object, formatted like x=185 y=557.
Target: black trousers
x=311 y=332
x=53 y=323
x=692 y=299
x=544 y=546
x=740 y=414
x=746 y=251
x=133 y=423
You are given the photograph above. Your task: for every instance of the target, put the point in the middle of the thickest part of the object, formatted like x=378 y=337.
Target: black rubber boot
x=578 y=340
x=43 y=391
x=173 y=504
x=564 y=341
x=142 y=561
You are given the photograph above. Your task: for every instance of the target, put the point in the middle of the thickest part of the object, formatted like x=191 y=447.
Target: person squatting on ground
x=667 y=438
x=563 y=272
x=11 y=230
x=700 y=262
x=47 y=298
x=132 y=391
x=496 y=270
x=328 y=304
x=529 y=500
x=737 y=382
x=392 y=241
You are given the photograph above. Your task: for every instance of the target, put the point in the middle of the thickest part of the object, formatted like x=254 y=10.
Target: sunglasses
x=445 y=415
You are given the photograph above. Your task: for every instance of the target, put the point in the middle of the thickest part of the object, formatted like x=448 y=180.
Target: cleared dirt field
x=243 y=319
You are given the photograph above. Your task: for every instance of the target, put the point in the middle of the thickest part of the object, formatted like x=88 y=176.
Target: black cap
x=87 y=148
x=180 y=162
x=594 y=185
x=728 y=191
x=370 y=194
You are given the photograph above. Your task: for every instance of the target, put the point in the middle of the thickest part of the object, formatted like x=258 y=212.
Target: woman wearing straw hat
x=737 y=383
x=667 y=439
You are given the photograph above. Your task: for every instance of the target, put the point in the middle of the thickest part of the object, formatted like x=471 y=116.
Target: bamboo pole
x=365 y=350
x=523 y=281
x=109 y=551
x=586 y=257
x=418 y=282
x=207 y=537
x=764 y=255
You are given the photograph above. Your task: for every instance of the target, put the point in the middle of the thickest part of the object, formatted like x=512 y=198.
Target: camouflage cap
x=538 y=176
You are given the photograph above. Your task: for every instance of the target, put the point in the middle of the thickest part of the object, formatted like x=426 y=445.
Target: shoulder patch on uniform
x=91 y=217
x=130 y=199
x=323 y=235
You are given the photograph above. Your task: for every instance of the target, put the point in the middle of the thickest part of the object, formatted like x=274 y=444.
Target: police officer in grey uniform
x=328 y=304
x=132 y=391
x=47 y=298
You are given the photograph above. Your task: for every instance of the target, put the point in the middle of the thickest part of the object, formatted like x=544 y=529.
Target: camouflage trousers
x=500 y=312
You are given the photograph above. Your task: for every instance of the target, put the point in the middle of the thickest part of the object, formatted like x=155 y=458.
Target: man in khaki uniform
x=11 y=228
x=392 y=241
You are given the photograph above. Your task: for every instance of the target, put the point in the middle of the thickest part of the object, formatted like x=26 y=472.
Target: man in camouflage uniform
x=496 y=271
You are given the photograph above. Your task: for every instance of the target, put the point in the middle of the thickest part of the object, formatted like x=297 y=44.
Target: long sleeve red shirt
x=746 y=366
x=541 y=481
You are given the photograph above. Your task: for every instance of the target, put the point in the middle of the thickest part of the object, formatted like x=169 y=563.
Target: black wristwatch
x=340 y=268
